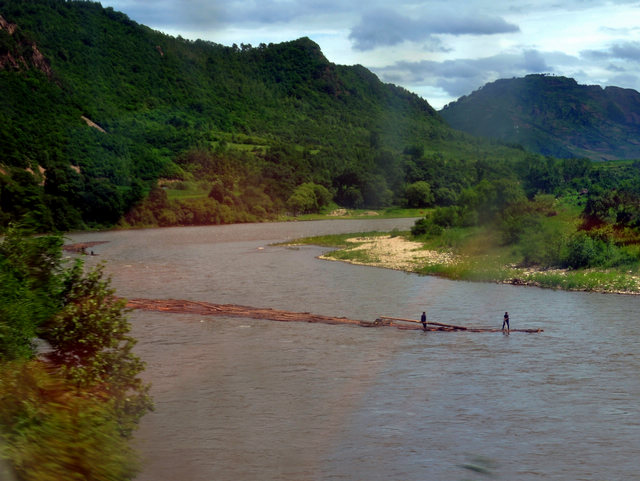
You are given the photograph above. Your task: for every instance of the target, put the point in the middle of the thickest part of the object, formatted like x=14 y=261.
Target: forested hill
x=553 y=116
x=97 y=109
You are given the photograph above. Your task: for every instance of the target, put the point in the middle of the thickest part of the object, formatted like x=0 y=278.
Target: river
x=244 y=399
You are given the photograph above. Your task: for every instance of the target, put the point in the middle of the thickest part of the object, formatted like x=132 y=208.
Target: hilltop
x=553 y=116
x=106 y=119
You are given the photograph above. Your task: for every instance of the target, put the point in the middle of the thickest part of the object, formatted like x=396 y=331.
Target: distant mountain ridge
x=100 y=113
x=553 y=116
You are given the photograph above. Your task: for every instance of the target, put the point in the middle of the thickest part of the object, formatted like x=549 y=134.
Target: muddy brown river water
x=248 y=399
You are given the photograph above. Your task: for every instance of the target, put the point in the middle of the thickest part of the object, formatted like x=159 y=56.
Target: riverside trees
x=69 y=412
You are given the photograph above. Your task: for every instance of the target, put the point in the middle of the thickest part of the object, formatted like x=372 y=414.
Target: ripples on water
x=243 y=399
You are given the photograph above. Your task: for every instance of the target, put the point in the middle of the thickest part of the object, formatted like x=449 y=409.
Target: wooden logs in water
x=439 y=326
x=178 y=306
x=233 y=310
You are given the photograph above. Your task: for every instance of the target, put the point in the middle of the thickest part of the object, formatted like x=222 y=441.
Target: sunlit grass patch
x=586 y=280
x=334 y=240
x=187 y=190
x=340 y=213
x=353 y=255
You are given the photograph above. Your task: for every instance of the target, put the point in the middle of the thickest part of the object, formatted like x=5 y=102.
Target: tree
x=70 y=417
x=350 y=196
x=308 y=198
x=92 y=348
x=29 y=284
x=375 y=192
x=419 y=194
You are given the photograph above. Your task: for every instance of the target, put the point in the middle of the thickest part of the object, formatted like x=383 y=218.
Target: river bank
x=399 y=253
x=243 y=398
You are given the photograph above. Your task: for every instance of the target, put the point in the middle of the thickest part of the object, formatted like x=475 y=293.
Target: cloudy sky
x=439 y=49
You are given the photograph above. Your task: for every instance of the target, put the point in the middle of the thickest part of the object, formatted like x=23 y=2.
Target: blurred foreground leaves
x=70 y=395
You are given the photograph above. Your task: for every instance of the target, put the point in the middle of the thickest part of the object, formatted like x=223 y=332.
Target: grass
x=587 y=280
x=484 y=259
x=338 y=241
x=350 y=255
x=186 y=190
x=336 y=213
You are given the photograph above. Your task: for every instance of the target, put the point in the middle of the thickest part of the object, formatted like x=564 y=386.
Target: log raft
x=178 y=306
x=439 y=326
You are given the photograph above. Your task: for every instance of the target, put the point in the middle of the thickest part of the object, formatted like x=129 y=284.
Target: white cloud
x=384 y=27
x=440 y=49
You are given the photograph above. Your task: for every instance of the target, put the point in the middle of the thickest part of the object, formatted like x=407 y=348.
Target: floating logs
x=178 y=306
x=232 y=310
x=439 y=326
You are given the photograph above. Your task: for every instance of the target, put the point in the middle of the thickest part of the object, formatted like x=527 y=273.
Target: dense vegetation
x=232 y=134
x=107 y=122
x=538 y=228
x=70 y=395
x=561 y=214
x=553 y=116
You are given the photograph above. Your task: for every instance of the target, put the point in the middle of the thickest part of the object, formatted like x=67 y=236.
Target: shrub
x=541 y=245
x=308 y=198
x=583 y=250
x=446 y=216
x=419 y=194
x=426 y=227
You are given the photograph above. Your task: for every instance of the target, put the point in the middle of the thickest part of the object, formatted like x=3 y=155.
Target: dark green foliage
x=272 y=117
x=523 y=218
x=584 y=251
x=426 y=227
x=70 y=417
x=90 y=342
x=541 y=245
x=620 y=207
x=29 y=287
x=547 y=248
x=552 y=116
x=308 y=198
x=375 y=191
x=479 y=205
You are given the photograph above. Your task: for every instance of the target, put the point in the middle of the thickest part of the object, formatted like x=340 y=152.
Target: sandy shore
x=396 y=253
x=399 y=253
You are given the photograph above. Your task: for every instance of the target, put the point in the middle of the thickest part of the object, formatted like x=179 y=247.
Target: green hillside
x=98 y=111
x=553 y=116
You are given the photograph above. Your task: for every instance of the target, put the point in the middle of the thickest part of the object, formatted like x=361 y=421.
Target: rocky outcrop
x=9 y=27
x=23 y=54
x=91 y=123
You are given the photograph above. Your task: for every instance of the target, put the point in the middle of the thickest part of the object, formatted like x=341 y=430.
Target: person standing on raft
x=423 y=320
x=506 y=321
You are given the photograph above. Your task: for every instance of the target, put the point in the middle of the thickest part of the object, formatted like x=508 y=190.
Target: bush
x=447 y=216
x=308 y=198
x=541 y=245
x=419 y=194
x=445 y=196
x=426 y=227
x=582 y=250
x=70 y=417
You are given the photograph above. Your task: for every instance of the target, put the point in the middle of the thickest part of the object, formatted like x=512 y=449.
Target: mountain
x=97 y=110
x=553 y=116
